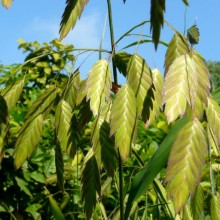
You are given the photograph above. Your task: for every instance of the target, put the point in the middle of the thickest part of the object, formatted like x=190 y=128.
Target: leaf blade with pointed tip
x=90 y=183
x=57 y=214
x=139 y=78
x=157 y=19
x=28 y=139
x=185 y=163
x=7 y=3
x=147 y=174
x=123 y=119
x=71 y=14
x=98 y=85
x=12 y=93
x=63 y=117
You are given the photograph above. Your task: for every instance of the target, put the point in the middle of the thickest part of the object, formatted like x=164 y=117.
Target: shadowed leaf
x=193 y=35
x=146 y=175
x=90 y=183
x=72 y=13
x=185 y=163
x=3 y=111
x=156 y=19
x=122 y=119
x=121 y=60
x=98 y=85
x=28 y=139
x=156 y=100
x=12 y=93
x=139 y=79
x=59 y=167
x=185 y=2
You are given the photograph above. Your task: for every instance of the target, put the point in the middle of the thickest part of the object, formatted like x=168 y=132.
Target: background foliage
x=73 y=148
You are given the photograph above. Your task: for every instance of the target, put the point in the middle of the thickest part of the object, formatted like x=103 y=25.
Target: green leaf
x=156 y=100
x=70 y=93
x=185 y=82
x=213 y=118
x=63 y=117
x=43 y=103
x=57 y=214
x=185 y=163
x=12 y=93
x=28 y=139
x=156 y=19
x=139 y=79
x=90 y=183
x=178 y=46
x=3 y=112
x=81 y=93
x=146 y=175
x=215 y=207
x=32 y=209
x=7 y=3
x=23 y=186
x=123 y=119
x=193 y=34
x=98 y=85
x=59 y=167
x=187 y=215
x=185 y=2
x=121 y=60
x=72 y=13
x=197 y=202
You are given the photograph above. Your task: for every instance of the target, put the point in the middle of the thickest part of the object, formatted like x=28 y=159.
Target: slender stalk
x=120 y=170
x=120 y=163
x=112 y=39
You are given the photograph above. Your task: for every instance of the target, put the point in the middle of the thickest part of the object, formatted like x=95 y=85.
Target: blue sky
x=39 y=21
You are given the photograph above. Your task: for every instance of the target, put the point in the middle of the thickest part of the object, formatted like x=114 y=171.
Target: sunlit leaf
x=43 y=103
x=70 y=93
x=157 y=19
x=63 y=117
x=28 y=139
x=57 y=214
x=215 y=207
x=178 y=46
x=90 y=183
x=81 y=93
x=185 y=81
x=197 y=202
x=213 y=117
x=185 y=163
x=12 y=93
x=139 y=79
x=146 y=175
x=98 y=85
x=7 y=3
x=123 y=118
x=71 y=14
x=187 y=215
